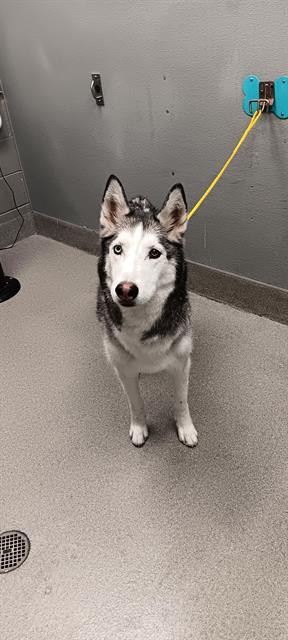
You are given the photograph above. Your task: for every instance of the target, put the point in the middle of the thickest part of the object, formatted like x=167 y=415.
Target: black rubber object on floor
x=8 y=286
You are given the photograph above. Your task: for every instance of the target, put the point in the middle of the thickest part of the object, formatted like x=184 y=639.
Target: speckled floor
x=160 y=543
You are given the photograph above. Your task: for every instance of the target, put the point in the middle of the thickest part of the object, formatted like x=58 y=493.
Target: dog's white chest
x=148 y=356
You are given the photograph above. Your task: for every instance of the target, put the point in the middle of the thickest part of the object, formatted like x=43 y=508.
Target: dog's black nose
x=127 y=291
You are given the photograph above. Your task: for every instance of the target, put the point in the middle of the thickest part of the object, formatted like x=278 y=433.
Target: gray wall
x=172 y=74
x=12 y=171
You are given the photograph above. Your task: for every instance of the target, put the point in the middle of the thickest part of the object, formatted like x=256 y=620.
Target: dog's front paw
x=138 y=434
x=188 y=434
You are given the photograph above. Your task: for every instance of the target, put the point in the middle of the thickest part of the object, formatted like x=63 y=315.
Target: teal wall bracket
x=250 y=89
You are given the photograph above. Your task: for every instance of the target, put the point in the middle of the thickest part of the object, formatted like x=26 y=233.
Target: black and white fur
x=147 y=326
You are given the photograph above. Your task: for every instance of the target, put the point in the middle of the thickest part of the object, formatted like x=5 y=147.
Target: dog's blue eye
x=154 y=254
x=117 y=249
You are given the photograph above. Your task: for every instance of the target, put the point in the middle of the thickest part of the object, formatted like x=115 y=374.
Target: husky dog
x=142 y=299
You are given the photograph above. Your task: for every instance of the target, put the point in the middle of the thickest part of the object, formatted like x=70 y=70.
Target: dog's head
x=141 y=244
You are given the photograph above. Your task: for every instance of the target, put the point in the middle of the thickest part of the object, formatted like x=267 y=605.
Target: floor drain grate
x=14 y=549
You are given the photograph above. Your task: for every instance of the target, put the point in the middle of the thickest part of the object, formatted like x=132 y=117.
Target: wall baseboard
x=9 y=225
x=237 y=291
x=68 y=233
x=243 y=293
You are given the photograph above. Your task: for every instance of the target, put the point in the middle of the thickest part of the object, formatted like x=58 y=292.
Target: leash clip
x=266 y=97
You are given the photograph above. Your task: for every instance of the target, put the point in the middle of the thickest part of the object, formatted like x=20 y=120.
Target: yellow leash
x=251 y=124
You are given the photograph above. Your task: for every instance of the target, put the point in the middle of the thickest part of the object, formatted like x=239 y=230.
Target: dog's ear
x=114 y=206
x=173 y=213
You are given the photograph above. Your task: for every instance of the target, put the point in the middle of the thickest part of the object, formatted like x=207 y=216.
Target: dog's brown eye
x=117 y=249
x=154 y=254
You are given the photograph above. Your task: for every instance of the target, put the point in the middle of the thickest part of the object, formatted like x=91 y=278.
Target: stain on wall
x=172 y=74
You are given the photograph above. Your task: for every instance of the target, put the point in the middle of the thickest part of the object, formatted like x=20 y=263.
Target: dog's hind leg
x=185 y=427
x=138 y=429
